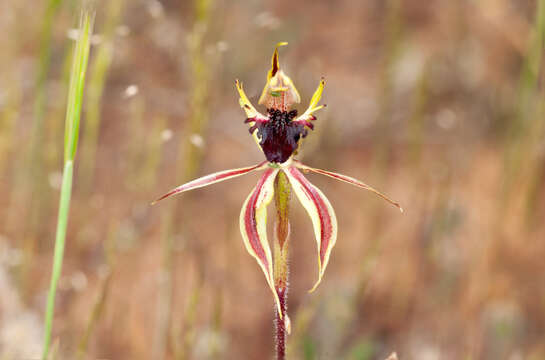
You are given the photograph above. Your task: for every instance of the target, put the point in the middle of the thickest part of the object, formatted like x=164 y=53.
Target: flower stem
x=282 y=193
x=281 y=333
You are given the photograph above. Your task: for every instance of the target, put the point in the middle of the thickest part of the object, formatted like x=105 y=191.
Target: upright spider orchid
x=279 y=133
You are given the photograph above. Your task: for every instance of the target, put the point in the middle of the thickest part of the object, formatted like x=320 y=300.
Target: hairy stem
x=280 y=324
x=282 y=193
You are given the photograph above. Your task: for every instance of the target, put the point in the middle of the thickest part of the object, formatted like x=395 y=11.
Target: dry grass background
x=440 y=104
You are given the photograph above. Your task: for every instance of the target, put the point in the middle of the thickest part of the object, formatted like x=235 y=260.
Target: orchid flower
x=279 y=134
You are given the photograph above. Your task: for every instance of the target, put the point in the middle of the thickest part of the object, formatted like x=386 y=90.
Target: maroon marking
x=274 y=69
x=326 y=228
x=255 y=119
x=306 y=123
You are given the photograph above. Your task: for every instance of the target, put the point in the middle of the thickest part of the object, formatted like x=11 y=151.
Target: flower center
x=280 y=135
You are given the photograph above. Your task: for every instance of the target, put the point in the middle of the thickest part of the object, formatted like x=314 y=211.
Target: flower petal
x=275 y=63
x=321 y=213
x=245 y=103
x=212 y=179
x=349 y=180
x=307 y=116
x=253 y=227
x=279 y=91
x=317 y=96
x=253 y=116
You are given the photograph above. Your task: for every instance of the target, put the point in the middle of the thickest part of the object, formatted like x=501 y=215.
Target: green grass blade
x=75 y=92
x=73 y=111
x=64 y=207
x=98 y=73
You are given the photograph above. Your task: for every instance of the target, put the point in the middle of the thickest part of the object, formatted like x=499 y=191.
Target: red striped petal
x=253 y=227
x=212 y=179
x=321 y=213
x=349 y=180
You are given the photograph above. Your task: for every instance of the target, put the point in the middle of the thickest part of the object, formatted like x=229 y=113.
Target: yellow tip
x=282 y=43
x=315 y=285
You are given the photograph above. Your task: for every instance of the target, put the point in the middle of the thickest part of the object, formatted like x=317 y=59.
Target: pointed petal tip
x=315 y=285
x=396 y=204
x=164 y=197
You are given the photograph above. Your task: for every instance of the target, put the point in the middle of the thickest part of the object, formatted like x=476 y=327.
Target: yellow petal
x=245 y=103
x=313 y=106
x=317 y=94
x=251 y=112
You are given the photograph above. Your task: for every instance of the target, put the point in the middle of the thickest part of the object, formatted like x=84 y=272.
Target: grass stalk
x=519 y=133
x=29 y=193
x=28 y=175
x=102 y=296
x=8 y=117
x=189 y=162
x=97 y=80
x=73 y=111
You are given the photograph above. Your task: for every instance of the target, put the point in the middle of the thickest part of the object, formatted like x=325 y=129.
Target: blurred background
x=440 y=104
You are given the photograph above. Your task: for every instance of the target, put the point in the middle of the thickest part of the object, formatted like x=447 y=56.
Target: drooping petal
x=212 y=179
x=349 y=180
x=321 y=213
x=253 y=227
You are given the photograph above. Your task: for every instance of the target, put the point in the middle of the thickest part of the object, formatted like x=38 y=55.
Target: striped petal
x=349 y=180
x=212 y=179
x=253 y=227
x=321 y=213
